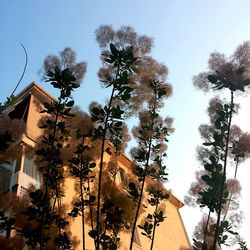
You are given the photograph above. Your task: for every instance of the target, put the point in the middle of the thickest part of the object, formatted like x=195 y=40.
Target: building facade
x=17 y=176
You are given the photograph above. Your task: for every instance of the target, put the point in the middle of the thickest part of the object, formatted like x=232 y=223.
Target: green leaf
x=225 y=237
x=208 y=167
x=218 y=123
x=92 y=165
x=109 y=60
x=96 y=111
x=213 y=159
x=204 y=246
x=224 y=224
x=158 y=146
x=118 y=124
x=240 y=70
x=92 y=198
x=116 y=112
x=246 y=82
x=212 y=78
x=105 y=237
x=46 y=105
x=219 y=167
x=93 y=233
x=225 y=127
x=162 y=92
x=70 y=103
x=132 y=186
x=150 y=216
x=222 y=114
x=232 y=232
x=75 y=85
x=241 y=87
x=125 y=97
x=217 y=137
x=206 y=178
x=113 y=49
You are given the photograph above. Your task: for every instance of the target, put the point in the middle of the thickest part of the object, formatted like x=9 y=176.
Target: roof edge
x=33 y=88
x=172 y=198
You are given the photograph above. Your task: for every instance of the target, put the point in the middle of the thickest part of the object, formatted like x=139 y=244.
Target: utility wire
x=24 y=70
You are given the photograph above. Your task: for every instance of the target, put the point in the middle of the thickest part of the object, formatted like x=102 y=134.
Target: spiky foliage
x=46 y=210
x=242 y=243
x=65 y=60
x=82 y=164
x=228 y=74
x=146 y=68
x=204 y=230
x=109 y=121
x=156 y=191
x=151 y=136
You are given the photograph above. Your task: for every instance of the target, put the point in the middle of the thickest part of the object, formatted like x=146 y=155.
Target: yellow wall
x=170 y=235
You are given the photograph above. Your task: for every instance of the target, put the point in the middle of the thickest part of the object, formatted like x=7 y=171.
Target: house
x=16 y=177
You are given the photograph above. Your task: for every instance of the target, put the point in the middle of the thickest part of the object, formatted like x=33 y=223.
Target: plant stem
x=90 y=206
x=216 y=235
x=236 y=168
x=43 y=219
x=206 y=227
x=156 y=210
x=143 y=183
x=139 y=202
x=97 y=243
x=82 y=211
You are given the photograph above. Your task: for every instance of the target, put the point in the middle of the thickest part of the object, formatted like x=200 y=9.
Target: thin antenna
x=24 y=69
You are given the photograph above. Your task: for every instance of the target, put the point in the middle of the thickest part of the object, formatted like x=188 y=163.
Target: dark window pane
x=14 y=188
x=18 y=165
x=30 y=168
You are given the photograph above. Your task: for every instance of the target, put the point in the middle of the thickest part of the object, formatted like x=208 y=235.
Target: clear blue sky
x=185 y=33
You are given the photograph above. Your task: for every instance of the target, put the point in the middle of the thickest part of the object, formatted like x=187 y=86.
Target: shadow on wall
x=185 y=248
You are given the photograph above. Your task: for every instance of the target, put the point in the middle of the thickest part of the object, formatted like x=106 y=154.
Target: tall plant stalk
x=206 y=227
x=81 y=168
x=105 y=128
x=83 y=215
x=109 y=118
x=155 y=218
x=46 y=179
x=156 y=194
x=45 y=206
x=228 y=76
x=141 y=189
x=149 y=133
x=222 y=188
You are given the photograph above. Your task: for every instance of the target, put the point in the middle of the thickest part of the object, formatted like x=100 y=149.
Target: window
x=124 y=180
x=5 y=175
x=21 y=110
x=30 y=169
x=14 y=188
x=123 y=177
x=18 y=165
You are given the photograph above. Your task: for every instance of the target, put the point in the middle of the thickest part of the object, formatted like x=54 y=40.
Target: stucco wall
x=170 y=235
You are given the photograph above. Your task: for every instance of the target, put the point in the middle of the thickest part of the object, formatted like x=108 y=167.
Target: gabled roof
x=33 y=88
